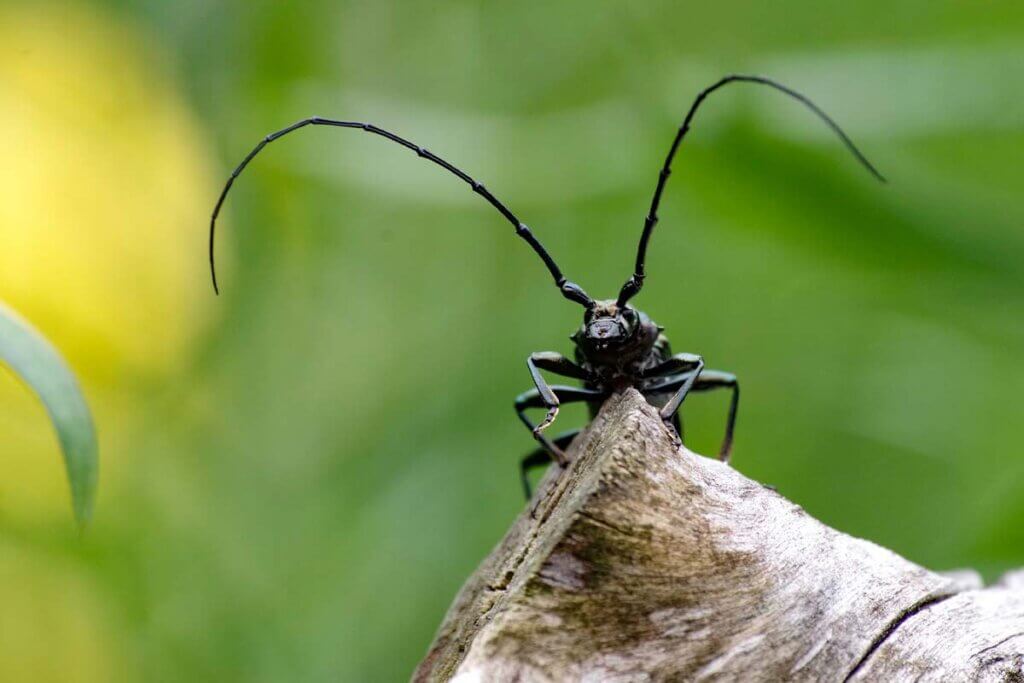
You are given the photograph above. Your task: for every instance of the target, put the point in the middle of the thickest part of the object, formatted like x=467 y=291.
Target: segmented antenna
x=636 y=282
x=569 y=289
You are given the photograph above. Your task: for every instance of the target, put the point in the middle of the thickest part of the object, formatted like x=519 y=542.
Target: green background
x=352 y=453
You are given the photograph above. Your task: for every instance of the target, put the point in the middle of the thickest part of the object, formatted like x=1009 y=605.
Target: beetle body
x=617 y=346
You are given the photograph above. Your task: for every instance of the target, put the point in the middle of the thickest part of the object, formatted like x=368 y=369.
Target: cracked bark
x=644 y=562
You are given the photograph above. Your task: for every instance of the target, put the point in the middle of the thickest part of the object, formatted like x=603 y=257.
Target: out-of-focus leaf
x=39 y=364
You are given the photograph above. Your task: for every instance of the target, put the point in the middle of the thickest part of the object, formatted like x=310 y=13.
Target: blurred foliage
x=40 y=366
x=295 y=488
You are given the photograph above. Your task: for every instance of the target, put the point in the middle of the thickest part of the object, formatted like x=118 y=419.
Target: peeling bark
x=646 y=562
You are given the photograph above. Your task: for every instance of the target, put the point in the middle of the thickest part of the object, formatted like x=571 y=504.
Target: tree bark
x=645 y=562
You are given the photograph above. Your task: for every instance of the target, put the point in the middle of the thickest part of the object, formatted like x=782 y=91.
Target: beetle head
x=607 y=328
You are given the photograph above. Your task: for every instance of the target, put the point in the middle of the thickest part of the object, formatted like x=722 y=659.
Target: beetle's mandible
x=617 y=346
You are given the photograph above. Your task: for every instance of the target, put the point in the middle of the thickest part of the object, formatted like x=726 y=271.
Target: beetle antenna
x=636 y=282
x=570 y=290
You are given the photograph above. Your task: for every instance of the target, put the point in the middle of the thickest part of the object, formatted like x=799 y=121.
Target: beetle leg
x=716 y=379
x=534 y=398
x=677 y=364
x=706 y=381
x=540 y=457
x=670 y=408
x=558 y=364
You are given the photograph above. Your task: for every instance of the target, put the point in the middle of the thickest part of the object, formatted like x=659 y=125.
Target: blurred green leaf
x=39 y=364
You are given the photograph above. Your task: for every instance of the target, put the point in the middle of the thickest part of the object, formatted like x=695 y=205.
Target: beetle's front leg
x=534 y=399
x=690 y=363
x=707 y=381
x=676 y=365
x=558 y=364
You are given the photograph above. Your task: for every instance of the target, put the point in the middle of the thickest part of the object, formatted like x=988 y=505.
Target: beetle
x=617 y=346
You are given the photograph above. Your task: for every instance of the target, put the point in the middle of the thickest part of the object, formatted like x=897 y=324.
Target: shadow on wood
x=645 y=562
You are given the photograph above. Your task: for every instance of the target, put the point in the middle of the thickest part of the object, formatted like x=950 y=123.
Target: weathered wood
x=646 y=562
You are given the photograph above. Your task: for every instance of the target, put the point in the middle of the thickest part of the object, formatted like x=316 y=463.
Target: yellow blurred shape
x=54 y=625
x=105 y=190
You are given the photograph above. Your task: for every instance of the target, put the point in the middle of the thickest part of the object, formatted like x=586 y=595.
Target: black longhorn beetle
x=617 y=346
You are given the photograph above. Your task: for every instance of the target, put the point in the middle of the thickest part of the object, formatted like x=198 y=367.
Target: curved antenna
x=569 y=290
x=636 y=282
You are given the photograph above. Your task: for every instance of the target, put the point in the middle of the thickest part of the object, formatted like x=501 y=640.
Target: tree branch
x=644 y=562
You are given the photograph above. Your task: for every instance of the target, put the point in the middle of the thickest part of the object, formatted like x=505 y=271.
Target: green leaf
x=38 y=363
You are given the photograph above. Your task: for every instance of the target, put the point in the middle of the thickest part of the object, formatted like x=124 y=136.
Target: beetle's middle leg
x=540 y=457
x=716 y=379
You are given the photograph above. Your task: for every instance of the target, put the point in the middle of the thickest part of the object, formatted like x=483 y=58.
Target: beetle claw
x=677 y=440
x=548 y=419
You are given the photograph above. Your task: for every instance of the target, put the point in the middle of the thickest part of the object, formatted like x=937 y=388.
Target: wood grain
x=644 y=562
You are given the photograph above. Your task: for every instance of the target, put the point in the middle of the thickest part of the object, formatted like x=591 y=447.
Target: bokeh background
x=297 y=476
